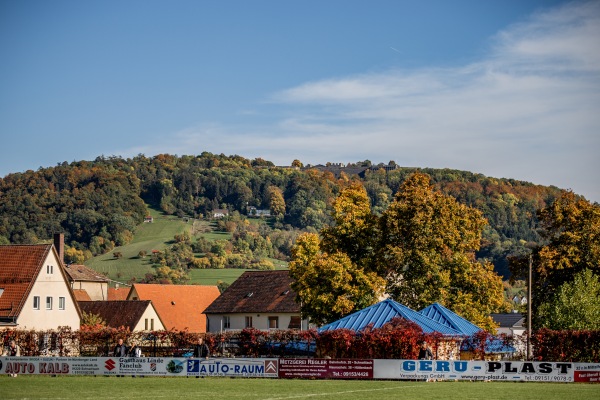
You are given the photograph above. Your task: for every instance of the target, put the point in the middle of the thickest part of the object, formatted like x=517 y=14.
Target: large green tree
x=571 y=230
x=428 y=245
x=354 y=231
x=576 y=305
x=423 y=246
x=330 y=286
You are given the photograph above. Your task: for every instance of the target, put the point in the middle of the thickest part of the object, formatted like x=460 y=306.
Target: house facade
x=83 y=278
x=137 y=315
x=34 y=289
x=257 y=299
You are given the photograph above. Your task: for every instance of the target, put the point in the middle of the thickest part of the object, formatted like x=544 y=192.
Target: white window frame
x=49 y=269
x=226 y=322
x=48 y=303
x=36 y=302
x=248 y=321
x=61 y=303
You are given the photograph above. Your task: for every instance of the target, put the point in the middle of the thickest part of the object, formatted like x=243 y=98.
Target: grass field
x=148 y=237
x=100 y=388
x=157 y=236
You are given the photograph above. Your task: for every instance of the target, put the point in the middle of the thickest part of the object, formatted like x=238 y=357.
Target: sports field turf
x=101 y=388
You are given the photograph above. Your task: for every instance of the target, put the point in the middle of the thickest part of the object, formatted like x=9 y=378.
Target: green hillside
x=148 y=236
x=99 y=204
x=158 y=235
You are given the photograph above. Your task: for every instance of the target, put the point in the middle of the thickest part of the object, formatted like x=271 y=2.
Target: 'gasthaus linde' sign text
x=306 y=368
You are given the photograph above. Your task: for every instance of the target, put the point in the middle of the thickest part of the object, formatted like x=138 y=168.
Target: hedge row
x=398 y=339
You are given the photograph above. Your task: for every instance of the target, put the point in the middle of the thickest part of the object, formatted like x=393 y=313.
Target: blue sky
x=506 y=88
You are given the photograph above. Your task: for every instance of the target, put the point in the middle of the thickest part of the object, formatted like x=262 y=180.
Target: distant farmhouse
x=257 y=212
x=219 y=213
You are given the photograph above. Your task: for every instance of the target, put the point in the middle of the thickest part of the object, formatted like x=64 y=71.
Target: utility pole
x=529 y=290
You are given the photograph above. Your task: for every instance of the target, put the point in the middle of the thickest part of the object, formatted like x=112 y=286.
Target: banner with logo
x=485 y=370
x=148 y=366
x=306 y=368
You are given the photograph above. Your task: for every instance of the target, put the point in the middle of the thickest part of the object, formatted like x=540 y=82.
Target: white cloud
x=528 y=110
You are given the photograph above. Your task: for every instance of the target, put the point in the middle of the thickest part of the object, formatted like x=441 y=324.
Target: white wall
x=150 y=314
x=49 y=284
x=96 y=290
x=259 y=321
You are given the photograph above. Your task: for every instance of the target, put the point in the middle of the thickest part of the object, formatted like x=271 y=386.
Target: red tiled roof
x=19 y=267
x=179 y=306
x=257 y=291
x=118 y=293
x=78 y=272
x=81 y=295
x=117 y=313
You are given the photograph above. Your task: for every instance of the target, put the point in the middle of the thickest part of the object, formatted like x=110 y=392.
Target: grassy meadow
x=99 y=388
x=157 y=236
x=149 y=236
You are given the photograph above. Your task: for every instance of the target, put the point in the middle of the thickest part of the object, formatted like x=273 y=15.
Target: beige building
x=85 y=279
x=34 y=289
x=137 y=315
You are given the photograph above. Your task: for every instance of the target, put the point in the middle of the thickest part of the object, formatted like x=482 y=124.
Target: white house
x=257 y=299
x=34 y=289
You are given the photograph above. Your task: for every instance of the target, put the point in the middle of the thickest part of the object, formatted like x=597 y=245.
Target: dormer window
x=249 y=295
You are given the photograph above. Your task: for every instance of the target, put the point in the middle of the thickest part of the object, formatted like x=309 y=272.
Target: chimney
x=59 y=245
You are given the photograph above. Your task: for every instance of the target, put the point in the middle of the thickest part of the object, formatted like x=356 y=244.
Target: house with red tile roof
x=34 y=289
x=118 y=293
x=180 y=307
x=258 y=299
x=81 y=295
x=84 y=278
x=137 y=315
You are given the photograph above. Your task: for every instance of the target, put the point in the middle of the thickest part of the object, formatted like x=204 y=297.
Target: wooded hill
x=98 y=204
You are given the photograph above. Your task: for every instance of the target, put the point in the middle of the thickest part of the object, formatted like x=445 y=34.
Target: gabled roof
x=441 y=314
x=180 y=307
x=381 y=313
x=125 y=313
x=81 y=295
x=509 y=320
x=256 y=292
x=117 y=293
x=78 y=272
x=19 y=267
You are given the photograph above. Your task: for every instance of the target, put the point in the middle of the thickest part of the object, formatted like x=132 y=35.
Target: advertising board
x=524 y=371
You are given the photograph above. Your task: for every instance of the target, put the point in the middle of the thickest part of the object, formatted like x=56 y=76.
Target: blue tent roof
x=381 y=313
x=441 y=314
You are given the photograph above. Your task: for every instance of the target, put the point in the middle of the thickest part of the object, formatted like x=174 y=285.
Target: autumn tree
x=92 y=321
x=276 y=201
x=571 y=229
x=330 y=286
x=427 y=248
x=355 y=228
